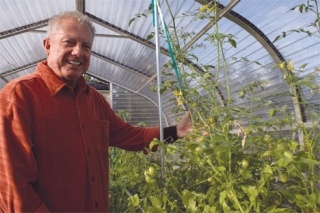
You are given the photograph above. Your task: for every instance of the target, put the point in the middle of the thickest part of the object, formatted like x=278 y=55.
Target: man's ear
x=46 y=45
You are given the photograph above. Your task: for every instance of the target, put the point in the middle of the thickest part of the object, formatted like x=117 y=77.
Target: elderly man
x=55 y=130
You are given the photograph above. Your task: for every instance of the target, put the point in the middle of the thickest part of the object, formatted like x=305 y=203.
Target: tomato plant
x=224 y=165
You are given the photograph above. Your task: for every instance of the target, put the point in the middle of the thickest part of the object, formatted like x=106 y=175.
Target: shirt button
x=88 y=152
x=82 y=126
x=96 y=204
x=92 y=178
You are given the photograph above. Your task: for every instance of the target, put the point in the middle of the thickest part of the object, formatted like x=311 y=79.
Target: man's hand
x=184 y=126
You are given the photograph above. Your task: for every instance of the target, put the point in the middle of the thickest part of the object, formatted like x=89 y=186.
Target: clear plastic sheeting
x=134 y=108
x=123 y=52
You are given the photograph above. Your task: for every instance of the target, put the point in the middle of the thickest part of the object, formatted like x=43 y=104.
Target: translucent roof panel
x=20 y=50
x=137 y=109
x=17 y=13
x=265 y=33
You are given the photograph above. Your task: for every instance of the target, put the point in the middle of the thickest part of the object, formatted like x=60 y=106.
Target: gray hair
x=75 y=15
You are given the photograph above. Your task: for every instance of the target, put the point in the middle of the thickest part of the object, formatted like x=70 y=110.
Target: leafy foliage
x=223 y=165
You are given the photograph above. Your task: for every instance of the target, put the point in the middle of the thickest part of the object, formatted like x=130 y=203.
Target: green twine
x=174 y=63
x=153 y=13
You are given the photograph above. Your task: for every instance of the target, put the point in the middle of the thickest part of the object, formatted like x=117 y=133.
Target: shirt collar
x=54 y=82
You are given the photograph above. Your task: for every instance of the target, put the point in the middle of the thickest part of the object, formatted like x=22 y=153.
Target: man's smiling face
x=68 y=50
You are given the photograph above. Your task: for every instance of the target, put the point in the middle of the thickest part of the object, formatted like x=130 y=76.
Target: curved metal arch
x=23 y=29
x=127 y=88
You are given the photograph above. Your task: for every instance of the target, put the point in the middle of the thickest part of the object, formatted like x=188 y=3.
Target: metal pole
x=111 y=94
x=159 y=84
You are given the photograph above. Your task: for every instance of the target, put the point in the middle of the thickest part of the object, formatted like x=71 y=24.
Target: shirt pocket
x=102 y=134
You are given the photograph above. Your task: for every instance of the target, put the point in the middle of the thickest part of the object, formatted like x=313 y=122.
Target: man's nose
x=77 y=50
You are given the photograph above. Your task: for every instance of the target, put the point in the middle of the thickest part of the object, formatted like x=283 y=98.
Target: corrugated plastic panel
x=131 y=64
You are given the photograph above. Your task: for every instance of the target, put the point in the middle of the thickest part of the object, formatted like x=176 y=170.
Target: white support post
x=159 y=83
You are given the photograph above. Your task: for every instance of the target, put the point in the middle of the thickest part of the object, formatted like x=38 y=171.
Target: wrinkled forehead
x=72 y=28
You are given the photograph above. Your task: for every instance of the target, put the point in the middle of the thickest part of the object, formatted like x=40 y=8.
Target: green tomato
x=244 y=163
x=151 y=171
x=148 y=179
x=201 y=139
x=267 y=138
x=283 y=177
x=194 y=105
x=271 y=178
x=248 y=130
x=272 y=112
x=198 y=150
x=242 y=93
x=277 y=202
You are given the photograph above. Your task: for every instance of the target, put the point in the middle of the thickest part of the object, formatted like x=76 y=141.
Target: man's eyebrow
x=88 y=43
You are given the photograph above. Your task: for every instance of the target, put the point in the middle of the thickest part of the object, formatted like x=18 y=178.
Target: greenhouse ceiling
x=266 y=33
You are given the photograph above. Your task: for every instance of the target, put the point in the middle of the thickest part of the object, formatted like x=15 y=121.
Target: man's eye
x=68 y=42
x=88 y=47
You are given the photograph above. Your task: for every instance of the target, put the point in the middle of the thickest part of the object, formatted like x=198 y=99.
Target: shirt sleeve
x=18 y=165
x=128 y=137
x=132 y=138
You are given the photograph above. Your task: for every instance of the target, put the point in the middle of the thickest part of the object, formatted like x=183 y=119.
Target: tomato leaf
x=131 y=20
x=310 y=161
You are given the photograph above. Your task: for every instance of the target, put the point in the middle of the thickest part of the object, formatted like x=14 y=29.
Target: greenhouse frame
x=251 y=66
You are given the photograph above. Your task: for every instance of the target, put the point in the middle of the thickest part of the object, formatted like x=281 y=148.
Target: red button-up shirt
x=54 y=144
